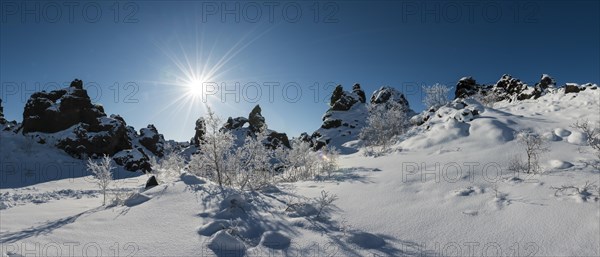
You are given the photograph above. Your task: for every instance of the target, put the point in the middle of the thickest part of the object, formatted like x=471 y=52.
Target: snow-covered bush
x=436 y=95
x=251 y=164
x=300 y=162
x=328 y=160
x=487 y=98
x=324 y=202
x=534 y=146
x=102 y=172
x=383 y=124
x=593 y=136
x=215 y=149
x=169 y=167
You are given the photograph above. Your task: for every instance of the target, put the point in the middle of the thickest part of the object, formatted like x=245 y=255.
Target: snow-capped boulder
x=545 y=82
x=384 y=95
x=133 y=160
x=572 y=88
x=152 y=140
x=466 y=86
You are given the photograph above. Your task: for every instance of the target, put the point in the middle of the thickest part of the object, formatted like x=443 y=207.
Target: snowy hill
x=445 y=190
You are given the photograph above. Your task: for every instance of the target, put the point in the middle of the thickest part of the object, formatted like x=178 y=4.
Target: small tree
x=102 y=171
x=436 y=95
x=593 y=136
x=215 y=150
x=534 y=146
x=385 y=121
x=252 y=162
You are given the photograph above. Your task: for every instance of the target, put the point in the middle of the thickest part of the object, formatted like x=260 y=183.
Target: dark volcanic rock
x=466 y=87
x=151 y=182
x=255 y=119
x=331 y=123
x=569 y=88
x=106 y=137
x=200 y=132
x=133 y=160
x=359 y=92
x=2 y=120
x=234 y=123
x=152 y=140
x=277 y=139
x=383 y=95
x=58 y=110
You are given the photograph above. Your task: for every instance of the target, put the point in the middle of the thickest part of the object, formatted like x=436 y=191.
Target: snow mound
x=136 y=199
x=577 y=138
x=224 y=244
x=213 y=227
x=561 y=132
x=558 y=164
x=366 y=240
x=275 y=240
x=551 y=136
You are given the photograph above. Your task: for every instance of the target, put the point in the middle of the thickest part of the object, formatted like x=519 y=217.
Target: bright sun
x=195 y=87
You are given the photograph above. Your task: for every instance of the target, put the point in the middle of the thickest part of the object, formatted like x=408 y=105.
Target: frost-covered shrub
x=534 y=146
x=215 y=149
x=436 y=95
x=169 y=167
x=487 y=98
x=102 y=172
x=384 y=123
x=593 y=136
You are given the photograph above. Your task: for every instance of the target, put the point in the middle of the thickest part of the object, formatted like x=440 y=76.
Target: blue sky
x=142 y=61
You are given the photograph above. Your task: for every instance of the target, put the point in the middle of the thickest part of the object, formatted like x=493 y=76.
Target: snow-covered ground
x=445 y=191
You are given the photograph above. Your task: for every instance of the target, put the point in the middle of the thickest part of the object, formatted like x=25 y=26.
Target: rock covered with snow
x=58 y=110
x=84 y=128
x=385 y=95
x=255 y=119
x=152 y=140
x=200 y=131
x=133 y=160
x=466 y=86
x=255 y=122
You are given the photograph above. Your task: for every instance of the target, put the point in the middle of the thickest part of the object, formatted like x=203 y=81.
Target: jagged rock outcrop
x=384 y=95
x=2 y=120
x=85 y=130
x=507 y=88
x=58 y=110
x=133 y=160
x=466 y=86
x=342 y=100
x=359 y=92
x=255 y=119
x=152 y=140
x=92 y=132
x=235 y=123
x=200 y=132
x=107 y=137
